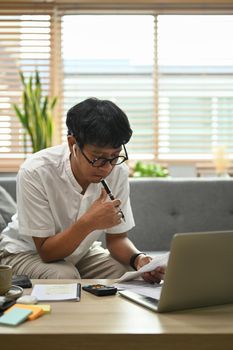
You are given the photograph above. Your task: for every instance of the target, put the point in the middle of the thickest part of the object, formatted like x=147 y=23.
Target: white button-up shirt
x=49 y=200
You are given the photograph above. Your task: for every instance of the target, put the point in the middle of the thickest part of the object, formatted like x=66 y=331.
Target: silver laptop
x=198 y=274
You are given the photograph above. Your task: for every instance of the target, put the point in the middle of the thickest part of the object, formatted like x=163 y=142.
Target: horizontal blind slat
x=25 y=42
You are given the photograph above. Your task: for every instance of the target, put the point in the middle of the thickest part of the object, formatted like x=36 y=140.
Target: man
x=63 y=208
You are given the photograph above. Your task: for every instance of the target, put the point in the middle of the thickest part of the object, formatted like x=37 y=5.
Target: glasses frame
x=105 y=160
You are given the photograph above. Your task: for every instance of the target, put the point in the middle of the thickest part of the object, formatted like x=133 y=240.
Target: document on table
x=158 y=261
x=141 y=287
x=57 y=292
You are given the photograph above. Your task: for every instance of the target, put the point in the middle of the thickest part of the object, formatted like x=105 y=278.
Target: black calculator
x=100 y=289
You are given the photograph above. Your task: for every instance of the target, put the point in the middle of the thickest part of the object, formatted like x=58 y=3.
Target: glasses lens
x=102 y=161
x=118 y=160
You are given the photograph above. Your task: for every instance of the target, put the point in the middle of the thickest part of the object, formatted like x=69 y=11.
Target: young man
x=63 y=208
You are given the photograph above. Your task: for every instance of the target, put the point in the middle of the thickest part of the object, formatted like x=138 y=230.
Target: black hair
x=98 y=122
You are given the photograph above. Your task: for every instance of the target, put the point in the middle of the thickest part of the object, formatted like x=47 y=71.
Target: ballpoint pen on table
x=109 y=192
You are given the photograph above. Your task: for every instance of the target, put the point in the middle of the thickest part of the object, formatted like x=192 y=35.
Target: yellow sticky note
x=46 y=308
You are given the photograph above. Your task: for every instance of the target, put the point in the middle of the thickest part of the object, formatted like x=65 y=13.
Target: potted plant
x=35 y=113
x=149 y=170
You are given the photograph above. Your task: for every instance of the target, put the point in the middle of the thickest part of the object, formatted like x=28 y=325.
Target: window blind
x=113 y=58
x=177 y=91
x=25 y=45
x=195 y=85
x=171 y=74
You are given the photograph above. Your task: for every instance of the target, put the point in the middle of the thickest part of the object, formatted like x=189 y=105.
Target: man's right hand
x=104 y=213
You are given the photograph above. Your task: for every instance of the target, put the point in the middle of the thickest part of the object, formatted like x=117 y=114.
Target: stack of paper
x=57 y=292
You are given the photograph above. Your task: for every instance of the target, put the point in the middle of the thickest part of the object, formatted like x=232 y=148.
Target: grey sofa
x=163 y=207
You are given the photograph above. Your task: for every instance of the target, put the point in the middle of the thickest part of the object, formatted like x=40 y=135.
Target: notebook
x=57 y=292
x=198 y=274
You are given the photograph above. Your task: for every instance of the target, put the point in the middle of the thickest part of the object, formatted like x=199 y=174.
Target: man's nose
x=106 y=168
x=107 y=165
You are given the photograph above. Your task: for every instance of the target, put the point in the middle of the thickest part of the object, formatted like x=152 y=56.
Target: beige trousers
x=97 y=263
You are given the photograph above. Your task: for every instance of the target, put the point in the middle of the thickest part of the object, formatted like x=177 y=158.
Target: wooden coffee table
x=114 y=323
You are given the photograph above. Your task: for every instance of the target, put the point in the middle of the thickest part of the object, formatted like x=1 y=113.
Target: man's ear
x=71 y=141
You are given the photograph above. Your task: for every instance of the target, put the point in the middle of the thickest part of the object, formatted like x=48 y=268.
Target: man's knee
x=118 y=270
x=113 y=269
x=62 y=270
x=32 y=266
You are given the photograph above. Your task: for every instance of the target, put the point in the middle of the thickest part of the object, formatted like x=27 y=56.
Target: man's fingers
x=119 y=215
x=149 y=278
x=160 y=271
x=116 y=203
x=103 y=195
x=157 y=276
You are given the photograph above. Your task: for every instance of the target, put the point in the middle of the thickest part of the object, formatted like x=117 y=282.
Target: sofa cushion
x=163 y=207
x=7 y=208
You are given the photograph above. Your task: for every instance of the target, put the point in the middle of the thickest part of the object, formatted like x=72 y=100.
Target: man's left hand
x=154 y=276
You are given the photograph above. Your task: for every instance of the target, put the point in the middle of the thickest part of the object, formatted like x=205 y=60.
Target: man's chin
x=96 y=178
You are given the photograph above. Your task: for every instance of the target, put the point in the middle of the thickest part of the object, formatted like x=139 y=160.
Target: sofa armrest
x=9 y=183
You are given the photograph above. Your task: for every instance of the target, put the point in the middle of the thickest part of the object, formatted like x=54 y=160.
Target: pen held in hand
x=109 y=192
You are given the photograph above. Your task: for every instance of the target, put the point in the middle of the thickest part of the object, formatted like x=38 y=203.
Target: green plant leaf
x=22 y=78
x=53 y=103
x=149 y=170
x=35 y=114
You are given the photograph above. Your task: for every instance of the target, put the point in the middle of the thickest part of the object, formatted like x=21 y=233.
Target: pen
x=109 y=192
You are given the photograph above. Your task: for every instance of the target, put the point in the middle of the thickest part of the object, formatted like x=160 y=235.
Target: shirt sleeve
x=121 y=191
x=34 y=213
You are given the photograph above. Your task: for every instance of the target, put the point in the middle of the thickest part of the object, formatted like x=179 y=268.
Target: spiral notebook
x=57 y=292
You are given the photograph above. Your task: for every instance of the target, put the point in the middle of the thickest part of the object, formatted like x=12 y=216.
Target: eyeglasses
x=99 y=162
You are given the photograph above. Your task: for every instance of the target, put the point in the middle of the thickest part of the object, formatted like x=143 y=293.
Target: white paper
x=142 y=287
x=55 y=292
x=158 y=261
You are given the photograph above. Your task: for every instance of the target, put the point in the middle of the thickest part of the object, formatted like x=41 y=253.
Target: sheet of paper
x=141 y=287
x=46 y=292
x=158 y=261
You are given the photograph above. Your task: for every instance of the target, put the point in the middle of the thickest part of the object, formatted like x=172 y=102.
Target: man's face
x=83 y=167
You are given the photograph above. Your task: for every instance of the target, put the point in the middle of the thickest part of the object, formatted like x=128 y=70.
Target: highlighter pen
x=109 y=192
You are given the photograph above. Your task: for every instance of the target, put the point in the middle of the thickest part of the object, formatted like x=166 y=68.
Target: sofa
x=7 y=200
x=163 y=207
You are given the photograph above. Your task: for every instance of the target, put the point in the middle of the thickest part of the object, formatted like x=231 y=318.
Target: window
x=195 y=64
x=24 y=46
x=113 y=58
x=179 y=101
x=172 y=75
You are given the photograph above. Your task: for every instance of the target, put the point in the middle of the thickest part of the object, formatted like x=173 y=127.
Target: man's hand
x=103 y=213
x=154 y=276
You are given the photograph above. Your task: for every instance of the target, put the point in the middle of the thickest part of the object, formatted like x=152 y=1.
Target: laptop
x=198 y=274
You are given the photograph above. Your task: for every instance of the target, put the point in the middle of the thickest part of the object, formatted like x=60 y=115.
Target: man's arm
x=63 y=243
x=102 y=214
x=121 y=248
